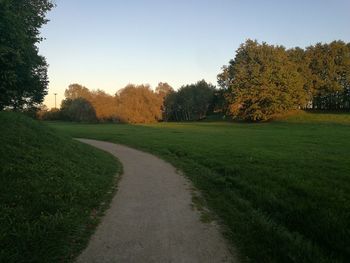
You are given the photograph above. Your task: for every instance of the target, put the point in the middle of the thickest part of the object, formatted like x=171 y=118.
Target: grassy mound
x=281 y=188
x=52 y=191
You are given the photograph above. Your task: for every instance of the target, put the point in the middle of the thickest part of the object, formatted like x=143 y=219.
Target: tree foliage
x=330 y=68
x=190 y=102
x=138 y=104
x=133 y=104
x=23 y=72
x=104 y=104
x=163 y=89
x=266 y=80
x=263 y=82
x=78 y=109
x=76 y=90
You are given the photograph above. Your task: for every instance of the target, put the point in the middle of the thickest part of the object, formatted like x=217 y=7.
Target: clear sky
x=109 y=43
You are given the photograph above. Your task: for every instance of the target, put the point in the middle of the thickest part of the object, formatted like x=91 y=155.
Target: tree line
x=261 y=82
x=135 y=104
x=132 y=104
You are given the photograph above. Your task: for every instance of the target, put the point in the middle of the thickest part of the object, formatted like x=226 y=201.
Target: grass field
x=51 y=190
x=282 y=189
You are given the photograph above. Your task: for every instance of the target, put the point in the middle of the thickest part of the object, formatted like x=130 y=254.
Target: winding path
x=150 y=218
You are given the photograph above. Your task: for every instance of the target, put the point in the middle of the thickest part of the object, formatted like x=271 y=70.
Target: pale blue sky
x=107 y=44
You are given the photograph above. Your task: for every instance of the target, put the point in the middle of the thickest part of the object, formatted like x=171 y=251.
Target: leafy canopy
x=23 y=72
x=261 y=82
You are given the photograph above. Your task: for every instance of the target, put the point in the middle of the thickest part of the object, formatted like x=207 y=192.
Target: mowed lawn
x=282 y=189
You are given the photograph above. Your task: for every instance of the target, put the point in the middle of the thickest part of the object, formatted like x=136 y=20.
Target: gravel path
x=150 y=218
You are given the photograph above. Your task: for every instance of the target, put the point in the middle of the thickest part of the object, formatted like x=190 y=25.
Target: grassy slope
x=51 y=189
x=282 y=189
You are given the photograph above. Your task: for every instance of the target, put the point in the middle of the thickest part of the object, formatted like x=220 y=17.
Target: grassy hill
x=282 y=189
x=52 y=190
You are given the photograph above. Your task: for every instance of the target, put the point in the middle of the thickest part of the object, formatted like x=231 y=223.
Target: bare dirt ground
x=150 y=218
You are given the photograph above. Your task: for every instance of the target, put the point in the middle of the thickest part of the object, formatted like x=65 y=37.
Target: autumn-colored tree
x=138 y=104
x=104 y=104
x=261 y=82
x=133 y=104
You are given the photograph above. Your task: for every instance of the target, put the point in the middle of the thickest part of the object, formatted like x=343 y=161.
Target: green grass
x=328 y=117
x=282 y=189
x=53 y=191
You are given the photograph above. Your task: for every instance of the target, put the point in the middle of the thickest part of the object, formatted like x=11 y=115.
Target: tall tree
x=261 y=82
x=23 y=72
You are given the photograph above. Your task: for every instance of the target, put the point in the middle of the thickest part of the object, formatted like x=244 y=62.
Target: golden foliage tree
x=104 y=104
x=138 y=104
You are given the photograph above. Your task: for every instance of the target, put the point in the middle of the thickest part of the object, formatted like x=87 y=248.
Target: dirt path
x=150 y=218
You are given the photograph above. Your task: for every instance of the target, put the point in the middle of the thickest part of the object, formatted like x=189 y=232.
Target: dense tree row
x=136 y=104
x=261 y=82
x=190 y=102
x=266 y=80
x=23 y=72
x=132 y=104
x=103 y=103
x=329 y=71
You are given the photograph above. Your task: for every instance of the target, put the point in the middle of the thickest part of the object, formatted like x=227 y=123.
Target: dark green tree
x=218 y=104
x=23 y=72
x=78 y=109
x=170 y=108
x=330 y=68
x=190 y=102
